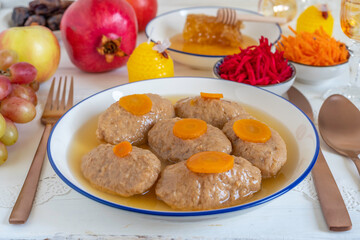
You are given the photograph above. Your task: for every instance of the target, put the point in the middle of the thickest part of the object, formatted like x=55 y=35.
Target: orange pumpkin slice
x=122 y=149
x=210 y=162
x=252 y=130
x=189 y=128
x=137 y=104
x=211 y=95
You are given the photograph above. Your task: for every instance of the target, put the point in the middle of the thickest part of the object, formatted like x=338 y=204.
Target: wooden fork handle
x=332 y=204
x=24 y=202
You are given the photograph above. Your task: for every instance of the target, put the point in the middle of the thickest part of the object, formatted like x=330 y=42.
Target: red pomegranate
x=99 y=35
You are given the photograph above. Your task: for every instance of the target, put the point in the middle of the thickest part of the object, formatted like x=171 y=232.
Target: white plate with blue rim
x=168 y=24
x=74 y=135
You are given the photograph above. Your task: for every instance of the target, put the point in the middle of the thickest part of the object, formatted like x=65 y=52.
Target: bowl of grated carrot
x=258 y=66
x=316 y=56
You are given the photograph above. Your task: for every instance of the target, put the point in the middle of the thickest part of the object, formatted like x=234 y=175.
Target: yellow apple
x=36 y=45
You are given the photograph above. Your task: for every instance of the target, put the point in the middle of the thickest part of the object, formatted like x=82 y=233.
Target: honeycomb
x=203 y=29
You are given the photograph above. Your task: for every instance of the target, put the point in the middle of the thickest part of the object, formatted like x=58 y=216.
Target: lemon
x=312 y=19
x=146 y=63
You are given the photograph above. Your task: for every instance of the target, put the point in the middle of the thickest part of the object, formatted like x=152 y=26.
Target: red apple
x=36 y=45
x=145 y=11
x=99 y=35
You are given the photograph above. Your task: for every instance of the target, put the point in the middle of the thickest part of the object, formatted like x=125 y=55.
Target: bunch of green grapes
x=17 y=97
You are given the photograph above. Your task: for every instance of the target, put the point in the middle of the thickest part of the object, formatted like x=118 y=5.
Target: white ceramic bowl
x=279 y=88
x=166 y=25
x=314 y=75
x=298 y=132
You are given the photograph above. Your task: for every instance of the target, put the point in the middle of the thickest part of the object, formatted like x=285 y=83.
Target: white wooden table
x=62 y=213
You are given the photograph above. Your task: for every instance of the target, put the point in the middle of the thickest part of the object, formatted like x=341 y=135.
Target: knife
x=332 y=204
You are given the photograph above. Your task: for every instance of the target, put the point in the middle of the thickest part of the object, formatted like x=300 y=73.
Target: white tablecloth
x=62 y=213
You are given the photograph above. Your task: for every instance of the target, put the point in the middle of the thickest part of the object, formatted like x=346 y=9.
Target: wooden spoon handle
x=331 y=201
x=259 y=18
x=230 y=16
x=356 y=160
x=24 y=202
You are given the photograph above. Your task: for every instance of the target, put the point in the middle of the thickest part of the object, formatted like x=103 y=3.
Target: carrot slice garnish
x=122 y=149
x=252 y=130
x=211 y=95
x=137 y=104
x=189 y=128
x=210 y=162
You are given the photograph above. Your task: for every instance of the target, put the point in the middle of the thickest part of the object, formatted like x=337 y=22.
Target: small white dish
x=299 y=133
x=279 y=88
x=168 y=24
x=316 y=75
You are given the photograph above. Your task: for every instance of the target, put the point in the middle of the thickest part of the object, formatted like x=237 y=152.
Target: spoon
x=229 y=16
x=339 y=125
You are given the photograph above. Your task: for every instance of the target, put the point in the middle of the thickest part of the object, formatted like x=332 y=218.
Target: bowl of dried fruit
x=199 y=40
x=258 y=66
x=46 y=13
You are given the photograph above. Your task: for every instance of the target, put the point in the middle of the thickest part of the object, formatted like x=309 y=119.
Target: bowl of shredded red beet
x=258 y=66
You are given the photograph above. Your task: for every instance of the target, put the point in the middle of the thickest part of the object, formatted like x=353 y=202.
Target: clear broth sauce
x=85 y=140
x=178 y=43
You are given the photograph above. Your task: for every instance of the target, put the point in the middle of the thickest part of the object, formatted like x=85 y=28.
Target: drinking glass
x=278 y=8
x=350 y=25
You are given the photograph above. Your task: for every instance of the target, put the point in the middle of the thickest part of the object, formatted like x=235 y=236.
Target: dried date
x=41 y=12
x=44 y=7
x=54 y=22
x=35 y=20
x=64 y=5
x=19 y=15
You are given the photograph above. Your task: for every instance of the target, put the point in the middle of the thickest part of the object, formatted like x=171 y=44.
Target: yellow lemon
x=146 y=63
x=313 y=18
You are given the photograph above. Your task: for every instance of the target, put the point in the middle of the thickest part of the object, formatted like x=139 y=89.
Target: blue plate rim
x=189 y=8
x=184 y=213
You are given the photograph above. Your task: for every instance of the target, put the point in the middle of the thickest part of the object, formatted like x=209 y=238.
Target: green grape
x=2 y=125
x=3 y=153
x=7 y=58
x=11 y=133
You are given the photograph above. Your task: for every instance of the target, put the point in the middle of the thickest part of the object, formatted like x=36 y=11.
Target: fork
x=53 y=110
